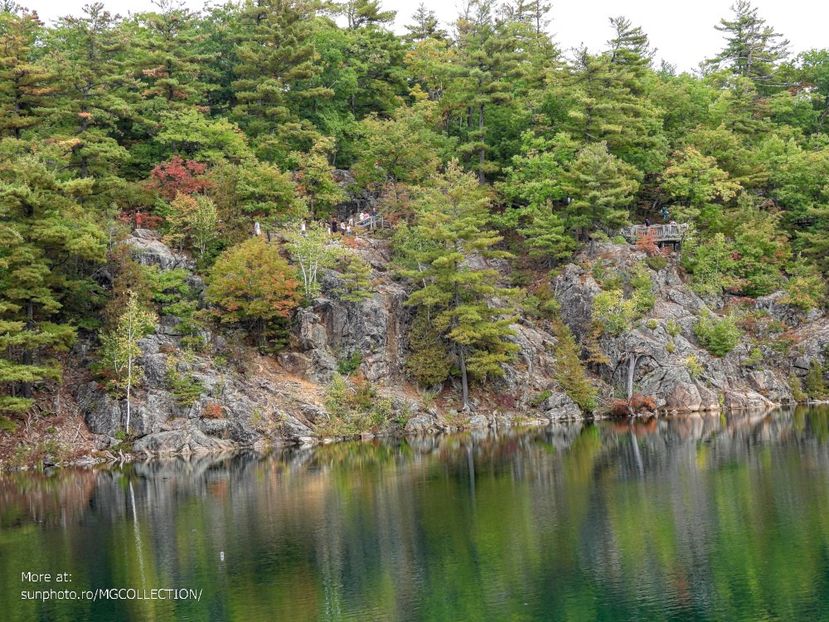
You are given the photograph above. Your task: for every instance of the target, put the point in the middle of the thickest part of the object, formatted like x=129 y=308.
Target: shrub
x=354 y=408
x=185 y=388
x=646 y=242
x=429 y=362
x=719 y=337
x=656 y=262
x=670 y=347
x=212 y=410
x=613 y=313
x=673 y=327
x=694 y=367
x=643 y=296
x=755 y=356
x=653 y=324
x=538 y=399
x=796 y=387
x=569 y=372
x=815 y=382
x=349 y=365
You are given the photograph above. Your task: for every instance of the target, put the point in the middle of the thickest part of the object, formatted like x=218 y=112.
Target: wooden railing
x=672 y=232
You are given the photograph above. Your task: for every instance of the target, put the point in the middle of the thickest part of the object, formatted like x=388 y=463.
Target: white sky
x=682 y=31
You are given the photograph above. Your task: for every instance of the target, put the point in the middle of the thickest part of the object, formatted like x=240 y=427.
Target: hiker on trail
x=665 y=213
x=334 y=225
x=647 y=222
x=302 y=226
x=257 y=230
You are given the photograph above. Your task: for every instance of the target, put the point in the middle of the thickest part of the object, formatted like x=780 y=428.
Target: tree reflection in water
x=709 y=517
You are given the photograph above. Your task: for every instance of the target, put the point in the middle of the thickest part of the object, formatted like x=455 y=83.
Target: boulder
x=187 y=441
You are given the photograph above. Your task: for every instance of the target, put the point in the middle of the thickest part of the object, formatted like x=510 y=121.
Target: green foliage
x=354 y=280
x=815 y=385
x=539 y=398
x=350 y=364
x=313 y=250
x=694 y=367
x=186 y=389
x=252 y=285
x=602 y=188
x=119 y=349
x=643 y=296
x=718 y=336
x=569 y=371
x=613 y=312
x=656 y=262
x=710 y=263
x=672 y=327
x=354 y=408
x=796 y=387
x=451 y=220
x=429 y=362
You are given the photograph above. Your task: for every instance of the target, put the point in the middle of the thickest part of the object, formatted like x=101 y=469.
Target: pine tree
x=48 y=248
x=361 y=13
x=277 y=67
x=752 y=47
x=425 y=25
x=452 y=216
x=602 y=188
x=315 y=179
x=487 y=62
x=95 y=96
x=26 y=84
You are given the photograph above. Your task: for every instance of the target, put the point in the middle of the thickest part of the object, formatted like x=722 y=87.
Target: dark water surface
x=708 y=518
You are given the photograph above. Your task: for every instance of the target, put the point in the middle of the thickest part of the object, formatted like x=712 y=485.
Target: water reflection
x=708 y=517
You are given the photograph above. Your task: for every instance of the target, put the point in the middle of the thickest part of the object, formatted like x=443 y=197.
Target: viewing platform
x=672 y=233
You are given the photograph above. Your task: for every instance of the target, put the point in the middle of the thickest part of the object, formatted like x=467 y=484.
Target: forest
x=481 y=143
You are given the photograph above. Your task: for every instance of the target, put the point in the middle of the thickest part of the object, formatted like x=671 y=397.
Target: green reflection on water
x=710 y=518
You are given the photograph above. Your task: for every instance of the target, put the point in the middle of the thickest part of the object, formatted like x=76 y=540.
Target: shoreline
x=497 y=424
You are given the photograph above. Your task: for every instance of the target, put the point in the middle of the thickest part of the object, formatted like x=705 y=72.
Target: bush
x=212 y=410
x=354 y=408
x=694 y=367
x=656 y=262
x=815 y=382
x=719 y=337
x=796 y=387
x=569 y=372
x=540 y=398
x=643 y=296
x=429 y=362
x=184 y=387
x=673 y=327
x=613 y=313
x=350 y=365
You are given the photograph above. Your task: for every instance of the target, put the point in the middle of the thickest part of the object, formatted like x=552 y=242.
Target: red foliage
x=212 y=410
x=637 y=404
x=140 y=220
x=178 y=176
x=647 y=242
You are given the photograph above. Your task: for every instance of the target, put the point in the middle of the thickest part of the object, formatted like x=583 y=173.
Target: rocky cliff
x=258 y=401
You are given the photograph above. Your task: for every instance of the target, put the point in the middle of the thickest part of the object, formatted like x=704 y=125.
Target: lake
x=689 y=518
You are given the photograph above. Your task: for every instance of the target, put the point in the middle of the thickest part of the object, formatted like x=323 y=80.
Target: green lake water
x=693 y=518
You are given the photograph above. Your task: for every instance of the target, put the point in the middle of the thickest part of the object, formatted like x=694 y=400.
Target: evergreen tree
x=752 y=47
x=602 y=188
x=48 y=247
x=26 y=84
x=453 y=215
x=277 y=67
x=425 y=25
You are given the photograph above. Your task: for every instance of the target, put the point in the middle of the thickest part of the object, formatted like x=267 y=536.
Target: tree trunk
x=631 y=369
x=464 y=378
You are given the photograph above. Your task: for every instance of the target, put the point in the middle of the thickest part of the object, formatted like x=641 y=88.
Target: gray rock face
x=335 y=330
x=148 y=249
x=188 y=441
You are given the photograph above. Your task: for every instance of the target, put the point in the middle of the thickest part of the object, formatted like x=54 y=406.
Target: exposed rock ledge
x=273 y=400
